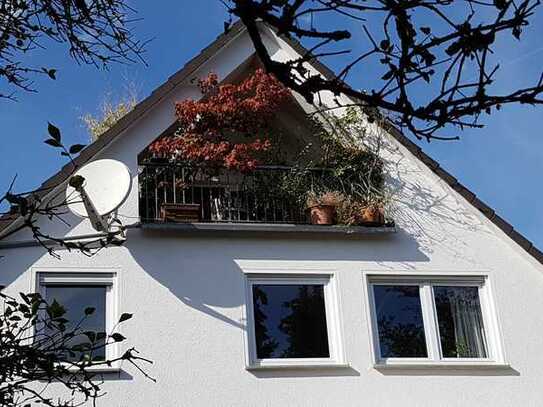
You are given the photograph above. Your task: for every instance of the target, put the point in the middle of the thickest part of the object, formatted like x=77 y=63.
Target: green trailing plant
x=349 y=167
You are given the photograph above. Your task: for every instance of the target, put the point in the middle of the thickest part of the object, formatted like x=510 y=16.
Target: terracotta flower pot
x=372 y=216
x=322 y=214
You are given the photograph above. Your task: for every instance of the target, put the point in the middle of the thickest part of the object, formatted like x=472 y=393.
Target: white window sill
x=104 y=369
x=299 y=365
x=464 y=365
x=97 y=369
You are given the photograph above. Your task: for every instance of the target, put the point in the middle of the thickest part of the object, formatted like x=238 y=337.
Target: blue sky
x=501 y=163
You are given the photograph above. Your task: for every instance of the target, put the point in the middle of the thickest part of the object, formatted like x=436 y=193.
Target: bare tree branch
x=437 y=57
x=97 y=32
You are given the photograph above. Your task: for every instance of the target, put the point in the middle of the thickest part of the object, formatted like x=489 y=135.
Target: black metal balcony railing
x=172 y=192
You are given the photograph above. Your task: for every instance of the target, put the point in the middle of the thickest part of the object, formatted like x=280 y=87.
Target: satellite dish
x=98 y=189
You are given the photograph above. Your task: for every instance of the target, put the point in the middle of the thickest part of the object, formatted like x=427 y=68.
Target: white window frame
x=335 y=343
x=91 y=277
x=435 y=358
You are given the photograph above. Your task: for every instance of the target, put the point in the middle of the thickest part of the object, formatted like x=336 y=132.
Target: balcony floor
x=269 y=230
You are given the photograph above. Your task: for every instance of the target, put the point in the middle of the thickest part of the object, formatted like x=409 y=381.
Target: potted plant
x=367 y=212
x=372 y=214
x=322 y=207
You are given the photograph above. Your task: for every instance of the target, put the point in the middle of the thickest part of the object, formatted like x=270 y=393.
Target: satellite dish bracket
x=98 y=222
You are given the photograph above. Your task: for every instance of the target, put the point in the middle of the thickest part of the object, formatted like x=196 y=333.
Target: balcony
x=194 y=200
x=173 y=193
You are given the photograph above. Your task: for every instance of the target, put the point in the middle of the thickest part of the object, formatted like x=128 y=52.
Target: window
x=77 y=292
x=436 y=320
x=292 y=321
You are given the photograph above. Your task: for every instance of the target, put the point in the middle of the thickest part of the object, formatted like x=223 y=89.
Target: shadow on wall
x=194 y=268
x=199 y=265
x=428 y=211
x=203 y=273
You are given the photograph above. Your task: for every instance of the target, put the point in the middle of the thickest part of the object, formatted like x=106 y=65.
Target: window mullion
x=430 y=322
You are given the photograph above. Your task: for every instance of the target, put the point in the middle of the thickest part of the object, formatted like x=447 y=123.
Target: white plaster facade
x=188 y=293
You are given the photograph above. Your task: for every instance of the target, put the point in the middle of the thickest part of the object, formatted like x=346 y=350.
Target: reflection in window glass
x=460 y=320
x=399 y=321
x=75 y=299
x=290 y=321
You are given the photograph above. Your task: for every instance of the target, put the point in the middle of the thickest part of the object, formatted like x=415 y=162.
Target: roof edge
x=141 y=108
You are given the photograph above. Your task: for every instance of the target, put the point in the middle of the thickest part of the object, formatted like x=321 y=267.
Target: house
x=438 y=309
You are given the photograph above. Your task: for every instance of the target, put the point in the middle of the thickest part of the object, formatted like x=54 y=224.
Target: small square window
x=76 y=292
x=436 y=320
x=75 y=299
x=292 y=321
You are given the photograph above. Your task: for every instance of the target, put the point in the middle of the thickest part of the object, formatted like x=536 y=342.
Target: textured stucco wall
x=187 y=295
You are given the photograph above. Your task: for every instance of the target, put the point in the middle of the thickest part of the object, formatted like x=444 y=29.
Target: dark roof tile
x=536 y=253
x=484 y=208
x=466 y=193
x=521 y=240
x=502 y=224
x=446 y=176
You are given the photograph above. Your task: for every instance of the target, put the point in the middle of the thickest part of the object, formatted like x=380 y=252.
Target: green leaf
x=125 y=317
x=82 y=6
x=25 y=298
x=117 y=337
x=516 y=32
x=53 y=142
x=76 y=181
x=500 y=4
x=55 y=310
x=387 y=76
x=89 y=310
x=426 y=30
x=76 y=148
x=54 y=132
x=91 y=335
x=385 y=45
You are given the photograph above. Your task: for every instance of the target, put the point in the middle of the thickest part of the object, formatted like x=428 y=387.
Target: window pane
x=399 y=321
x=290 y=321
x=75 y=299
x=461 y=327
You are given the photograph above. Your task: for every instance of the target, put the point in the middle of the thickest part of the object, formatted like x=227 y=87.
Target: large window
x=76 y=292
x=433 y=320
x=292 y=320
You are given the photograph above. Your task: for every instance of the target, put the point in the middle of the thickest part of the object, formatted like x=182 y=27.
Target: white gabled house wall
x=188 y=294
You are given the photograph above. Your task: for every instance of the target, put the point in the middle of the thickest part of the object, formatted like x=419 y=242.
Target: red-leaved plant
x=225 y=110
